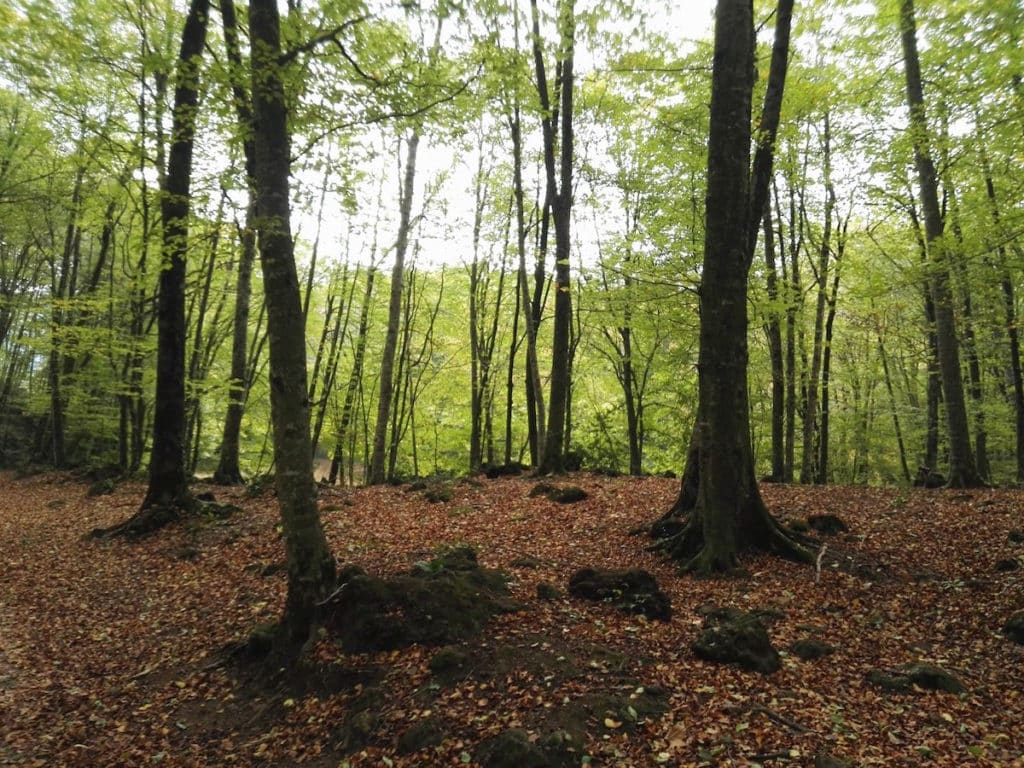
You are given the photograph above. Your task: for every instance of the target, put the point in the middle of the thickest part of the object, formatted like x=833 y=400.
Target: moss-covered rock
x=810 y=648
x=450 y=663
x=827 y=524
x=732 y=636
x=916 y=676
x=562 y=494
x=1014 y=627
x=631 y=591
x=546 y=591
x=441 y=601
x=511 y=749
x=424 y=733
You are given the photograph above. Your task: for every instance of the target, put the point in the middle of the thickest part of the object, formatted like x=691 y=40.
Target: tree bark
x=559 y=194
x=308 y=556
x=1010 y=313
x=773 y=330
x=229 y=471
x=963 y=471
x=168 y=495
x=379 y=457
x=729 y=515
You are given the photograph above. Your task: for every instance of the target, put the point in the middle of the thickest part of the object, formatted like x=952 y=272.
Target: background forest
x=458 y=168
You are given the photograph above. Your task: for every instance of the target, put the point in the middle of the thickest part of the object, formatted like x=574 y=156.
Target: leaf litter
x=110 y=652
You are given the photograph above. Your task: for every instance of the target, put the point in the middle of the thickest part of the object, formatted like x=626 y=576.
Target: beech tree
x=168 y=494
x=963 y=471
x=728 y=513
x=309 y=561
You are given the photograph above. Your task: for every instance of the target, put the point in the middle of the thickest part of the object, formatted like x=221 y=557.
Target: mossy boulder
x=923 y=676
x=450 y=663
x=827 y=524
x=511 y=749
x=441 y=601
x=810 y=648
x=426 y=732
x=546 y=591
x=1014 y=627
x=732 y=636
x=562 y=494
x=632 y=591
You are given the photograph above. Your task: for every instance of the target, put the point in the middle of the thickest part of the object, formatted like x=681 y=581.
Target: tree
x=729 y=514
x=963 y=472
x=228 y=470
x=168 y=494
x=558 y=200
x=310 y=564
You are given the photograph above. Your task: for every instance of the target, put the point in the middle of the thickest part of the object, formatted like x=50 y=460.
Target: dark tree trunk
x=812 y=423
x=963 y=471
x=308 y=556
x=229 y=470
x=559 y=196
x=168 y=494
x=826 y=377
x=895 y=413
x=534 y=393
x=354 y=380
x=729 y=515
x=773 y=330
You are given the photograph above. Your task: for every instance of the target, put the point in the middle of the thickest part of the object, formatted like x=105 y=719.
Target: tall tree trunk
x=308 y=556
x=1010 y=313
x=895 y=412
x=963 y=471
x=63 y=289
x=229 y=470
x=812 y=424
x=168 y=494
x=729 y=514
x=773 y=330
x=958 y=264
x=534 y=392
x=559 y=191
x=378 y=459
x=826 y=363
x=354 y=380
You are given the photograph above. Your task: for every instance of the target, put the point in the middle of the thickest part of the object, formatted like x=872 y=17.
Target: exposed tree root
x=228 y=477
x=758 y=530
x=149 y=519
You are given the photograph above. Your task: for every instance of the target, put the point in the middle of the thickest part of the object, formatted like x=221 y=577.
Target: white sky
x=683 y=20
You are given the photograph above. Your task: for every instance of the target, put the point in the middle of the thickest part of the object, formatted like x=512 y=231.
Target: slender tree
x=310 y=563
x=229 y=470
x=963 y=471
x=168 y=493
x=558 y=199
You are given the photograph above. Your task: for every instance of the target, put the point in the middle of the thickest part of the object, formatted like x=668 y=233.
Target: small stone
x=827 y=524
x=810 y=648
x=547 y=591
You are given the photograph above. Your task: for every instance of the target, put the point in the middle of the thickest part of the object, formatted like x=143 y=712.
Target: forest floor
x=111 y=652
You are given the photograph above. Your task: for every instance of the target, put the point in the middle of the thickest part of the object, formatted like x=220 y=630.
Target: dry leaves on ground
x=109 y=651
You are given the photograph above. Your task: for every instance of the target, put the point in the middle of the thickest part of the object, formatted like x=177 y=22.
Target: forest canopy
x=499 y=215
